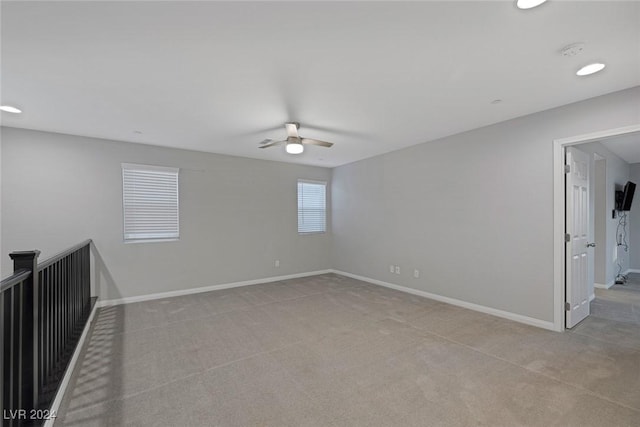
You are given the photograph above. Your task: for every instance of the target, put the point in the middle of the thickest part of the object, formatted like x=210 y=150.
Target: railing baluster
x=60 y=314
x=49 y=322
x=3 y=312
x=63 y=323
x=63 y=316
x=80 y=263
x=53 y=320
x=47 y=331
x=87 y=276
x=58 y=329
x=41 y=308
x=19 y=289
x=46 y=325
x=54 y=292
x=80 y=287
x=65 y=303
x=52 y=317
x=74 y=293
x=51 y=303
x=12 y=346
x=55 y=326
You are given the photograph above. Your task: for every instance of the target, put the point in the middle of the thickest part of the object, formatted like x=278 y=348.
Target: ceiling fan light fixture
x=529 y=4
x=294 y=147
x=294 y=144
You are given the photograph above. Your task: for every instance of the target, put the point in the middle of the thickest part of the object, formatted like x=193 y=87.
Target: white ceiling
x=626 y=147
x=371 y=77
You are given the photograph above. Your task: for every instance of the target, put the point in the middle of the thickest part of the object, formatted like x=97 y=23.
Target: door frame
x=599 y=221
x=559 y=291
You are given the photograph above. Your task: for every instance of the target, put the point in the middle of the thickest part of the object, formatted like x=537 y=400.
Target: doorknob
x=591 y=245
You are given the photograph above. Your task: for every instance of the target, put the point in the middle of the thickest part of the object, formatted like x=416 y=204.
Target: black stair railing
x=43 y=310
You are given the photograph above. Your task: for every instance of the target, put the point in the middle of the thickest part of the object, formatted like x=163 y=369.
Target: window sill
x=126 y=242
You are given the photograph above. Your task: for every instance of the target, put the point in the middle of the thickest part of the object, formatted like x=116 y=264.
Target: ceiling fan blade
x=292 y=129
x=316 y=142
x=269 y=143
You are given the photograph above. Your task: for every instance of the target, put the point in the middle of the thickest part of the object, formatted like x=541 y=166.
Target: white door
x=577 y=228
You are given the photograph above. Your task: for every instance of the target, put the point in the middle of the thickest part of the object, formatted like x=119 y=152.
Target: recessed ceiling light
x=590 y=69
x=496 y=101
x=137 y=132
x=529 y=4
x=10 y=109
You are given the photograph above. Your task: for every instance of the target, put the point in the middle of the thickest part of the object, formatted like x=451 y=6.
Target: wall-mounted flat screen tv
x=625 y=198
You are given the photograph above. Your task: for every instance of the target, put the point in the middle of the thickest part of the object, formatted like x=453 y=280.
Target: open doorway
x=619 y=299
x=607 y=257
x=598 y=252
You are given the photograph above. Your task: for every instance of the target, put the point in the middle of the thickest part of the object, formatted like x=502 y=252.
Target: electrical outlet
x=277 y=263
x=391 y=268
x=397 y=269
x=416 y=273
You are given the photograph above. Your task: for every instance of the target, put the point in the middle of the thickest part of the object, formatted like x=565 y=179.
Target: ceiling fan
x=294 y=143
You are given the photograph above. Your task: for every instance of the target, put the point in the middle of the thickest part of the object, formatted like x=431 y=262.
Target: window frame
x=150 y=168
x=317 y=182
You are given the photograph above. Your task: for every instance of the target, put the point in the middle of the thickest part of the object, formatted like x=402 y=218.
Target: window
x=312 y=211
x=150 y=203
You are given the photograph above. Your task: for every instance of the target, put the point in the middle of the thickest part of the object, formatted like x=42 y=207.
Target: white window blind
x=150 y=202
x=312 y=210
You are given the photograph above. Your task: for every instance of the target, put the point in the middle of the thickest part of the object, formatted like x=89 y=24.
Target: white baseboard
x=55 y=406
x=601 y=286
x=632 y=270
x=477 y=307
x=190 y=291
x=592 y=297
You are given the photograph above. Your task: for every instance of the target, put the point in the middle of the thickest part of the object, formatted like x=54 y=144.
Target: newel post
x=28 y=260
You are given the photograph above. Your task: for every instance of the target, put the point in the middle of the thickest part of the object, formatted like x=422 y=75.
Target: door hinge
x=567 y=168
x=567 y=306
x=567 y=237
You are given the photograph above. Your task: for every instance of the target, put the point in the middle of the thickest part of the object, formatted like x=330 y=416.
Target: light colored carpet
x=620 y=302
x=332 y=351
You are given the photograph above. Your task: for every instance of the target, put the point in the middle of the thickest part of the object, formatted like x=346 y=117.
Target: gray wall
x=473 y=212
x=236 y=215
x=634 y=219
x=616 y=175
